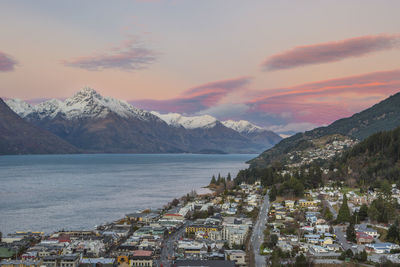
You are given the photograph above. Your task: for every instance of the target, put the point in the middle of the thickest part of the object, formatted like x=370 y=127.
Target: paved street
x=257 y=236
x=340 y=231
x=169 y=244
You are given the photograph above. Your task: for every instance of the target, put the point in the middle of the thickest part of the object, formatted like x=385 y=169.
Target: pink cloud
x=7 y=63
x=130 y=55
x=331 y=51
x=325 y=101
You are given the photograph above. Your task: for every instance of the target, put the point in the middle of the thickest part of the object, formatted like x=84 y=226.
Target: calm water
x=52 y=192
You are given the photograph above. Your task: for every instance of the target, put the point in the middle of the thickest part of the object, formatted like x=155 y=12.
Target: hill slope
x=375 y=159
x=18 y=136
x=380 y=117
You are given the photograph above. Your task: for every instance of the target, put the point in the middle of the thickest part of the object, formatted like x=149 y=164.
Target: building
x=142 y=258
x=93 y=262
x=201 y=227
x=20 y=263
x=306 y=203
x=71 y=260
x=203 y=263
x=235 y=234
x=363 y=238
x=238 y=256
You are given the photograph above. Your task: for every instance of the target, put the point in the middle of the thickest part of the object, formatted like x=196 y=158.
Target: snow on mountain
x=206 y=121
x=48 y=109
x=87 y=103
x=242 y=126
x=178 y=120
x=20 y=107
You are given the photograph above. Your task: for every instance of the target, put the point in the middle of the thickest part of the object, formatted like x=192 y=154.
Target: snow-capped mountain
x=98 y=124
x=178 y=120
x=87 y=103
x=243 y=126
x=20 y=107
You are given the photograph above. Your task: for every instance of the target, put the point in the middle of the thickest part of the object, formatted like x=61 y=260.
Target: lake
x=54 y=192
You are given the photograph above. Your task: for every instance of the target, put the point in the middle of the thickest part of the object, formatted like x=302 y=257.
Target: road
x=257 y=236
x=340 y=231
x=169 y=244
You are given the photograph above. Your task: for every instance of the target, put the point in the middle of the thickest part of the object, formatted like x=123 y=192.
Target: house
x=381 y=248
x=289 y=204
x=363 y=238
x=369 y=231
x=327 y=241
x=284 y=246
x=318 y=249
x=311 y=218
x=238 y=256
x=322 y=228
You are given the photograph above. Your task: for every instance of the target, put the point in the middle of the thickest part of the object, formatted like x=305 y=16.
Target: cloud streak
x=323 y=102
x=7 y=63
x=330 y=52
x=130 y=55
x=197 y=98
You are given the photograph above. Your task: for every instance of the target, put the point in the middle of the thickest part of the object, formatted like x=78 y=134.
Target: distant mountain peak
x=243 y=126
x=20 y=107
x=192 y=122
x=87 y=103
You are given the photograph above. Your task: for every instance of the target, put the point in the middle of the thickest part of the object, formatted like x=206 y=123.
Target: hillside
x=375 y=159
x=380 y=117
x=18 y=136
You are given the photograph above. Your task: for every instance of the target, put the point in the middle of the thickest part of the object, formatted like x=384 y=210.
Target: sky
x=286 y=65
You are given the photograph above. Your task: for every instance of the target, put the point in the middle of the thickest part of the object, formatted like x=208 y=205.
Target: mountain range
x=91 y=123
x=20 y=137
x=383 y=116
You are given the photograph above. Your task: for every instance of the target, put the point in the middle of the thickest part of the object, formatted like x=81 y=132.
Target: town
x=212 y=229
x=329 y=225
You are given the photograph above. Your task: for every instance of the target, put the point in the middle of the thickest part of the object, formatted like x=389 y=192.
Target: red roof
x=147 y=253
x=171 y=214
x=363 y=235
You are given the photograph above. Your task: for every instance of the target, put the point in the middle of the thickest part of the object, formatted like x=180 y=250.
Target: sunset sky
x=286 y=65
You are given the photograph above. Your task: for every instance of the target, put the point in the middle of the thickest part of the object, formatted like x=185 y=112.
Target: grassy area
x=382 y=233
x=5 y=253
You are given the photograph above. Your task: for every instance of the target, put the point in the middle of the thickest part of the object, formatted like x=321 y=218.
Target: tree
x=273 y=239
x=344 y=212
x=363 y=256
x=213 y=181
x=229 y=178
x=351 y=233
x=328 y=214
x=363 y=212
x=393 y=233
x=272 y=193
x=175 y=202
x=386 y=189
x=301 y=261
